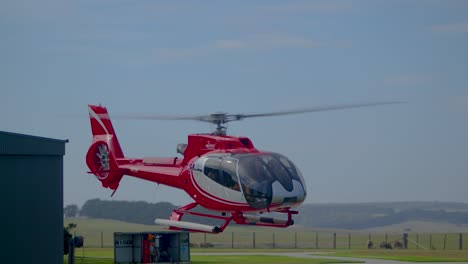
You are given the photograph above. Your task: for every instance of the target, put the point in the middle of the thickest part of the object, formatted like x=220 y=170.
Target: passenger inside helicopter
x=222 y=172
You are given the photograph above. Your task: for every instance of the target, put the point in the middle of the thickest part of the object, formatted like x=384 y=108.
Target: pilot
x=213 y=174
x=224 y=179
x=257 y=179
x=235 y=186
x=228 y=181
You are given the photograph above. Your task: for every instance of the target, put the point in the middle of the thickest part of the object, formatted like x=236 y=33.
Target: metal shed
x=152 y=247
x=32 y=198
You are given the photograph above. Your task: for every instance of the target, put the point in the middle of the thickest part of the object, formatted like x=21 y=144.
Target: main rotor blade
x=154 y=117
x=221 y=118
x=316 y=109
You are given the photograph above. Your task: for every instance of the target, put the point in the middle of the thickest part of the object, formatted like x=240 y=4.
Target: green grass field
x=98 y=234
x=229 y=260
x=407 y=255
x=106 y=256
x=260 y=259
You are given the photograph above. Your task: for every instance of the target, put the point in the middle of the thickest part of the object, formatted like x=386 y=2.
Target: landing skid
x=175 y=222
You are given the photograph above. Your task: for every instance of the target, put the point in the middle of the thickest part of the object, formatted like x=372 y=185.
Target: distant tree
x=70 y=210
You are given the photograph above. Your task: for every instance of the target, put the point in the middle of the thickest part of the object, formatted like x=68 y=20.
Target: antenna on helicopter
x=221 y=118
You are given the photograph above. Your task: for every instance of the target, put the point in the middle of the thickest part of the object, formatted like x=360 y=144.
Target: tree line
x=344 y=216
x=361 y=216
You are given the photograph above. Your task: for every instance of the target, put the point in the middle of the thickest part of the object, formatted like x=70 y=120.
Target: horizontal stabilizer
x=187 y=225
x=103 y=171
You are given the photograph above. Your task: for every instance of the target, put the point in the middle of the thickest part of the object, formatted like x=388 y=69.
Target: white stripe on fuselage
x=211 y=196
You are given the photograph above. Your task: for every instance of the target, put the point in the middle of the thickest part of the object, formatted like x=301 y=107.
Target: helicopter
x=222 y=173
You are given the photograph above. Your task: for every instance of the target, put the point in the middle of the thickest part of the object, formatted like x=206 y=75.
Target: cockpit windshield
x=257 y=174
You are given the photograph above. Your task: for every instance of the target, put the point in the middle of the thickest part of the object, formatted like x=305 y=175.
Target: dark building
x=31 y=178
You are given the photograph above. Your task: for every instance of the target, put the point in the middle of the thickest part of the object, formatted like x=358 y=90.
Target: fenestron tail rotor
x=221 y=118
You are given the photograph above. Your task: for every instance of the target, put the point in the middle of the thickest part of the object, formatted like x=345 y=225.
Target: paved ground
x=314 y=255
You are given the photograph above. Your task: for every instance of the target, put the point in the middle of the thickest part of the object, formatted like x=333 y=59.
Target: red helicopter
x=221 y=173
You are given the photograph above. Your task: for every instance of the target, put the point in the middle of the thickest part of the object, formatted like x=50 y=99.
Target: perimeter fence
x=308 y=240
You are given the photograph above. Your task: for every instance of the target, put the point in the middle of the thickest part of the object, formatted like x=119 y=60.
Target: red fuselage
x=206 y=152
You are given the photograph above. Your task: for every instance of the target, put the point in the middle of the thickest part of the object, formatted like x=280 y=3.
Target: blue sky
x=171 y=57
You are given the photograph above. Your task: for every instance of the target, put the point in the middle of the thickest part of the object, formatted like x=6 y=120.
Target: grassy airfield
x=98 y=232
x=91 y=257
x=106 y=256
x=407 y=255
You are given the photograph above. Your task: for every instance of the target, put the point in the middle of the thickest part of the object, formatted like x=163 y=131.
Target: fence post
x=405 y=240
x=295 y=239
x=232 y=240
x=204 y=238
x=71 y=251
x=273 y=239
x=102 y=239
x=334 y=240
x=430 y=241
x=316 y=240
x=460 y=241
x=445 y=240
x=253 y=239
x=417 y=241
x=349 y=240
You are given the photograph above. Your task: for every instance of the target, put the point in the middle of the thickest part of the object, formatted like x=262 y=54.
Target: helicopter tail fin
x=105 y=149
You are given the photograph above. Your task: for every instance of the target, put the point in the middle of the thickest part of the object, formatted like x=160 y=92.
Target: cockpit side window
x=229 y=170
x=211 y=169
x=223 y=172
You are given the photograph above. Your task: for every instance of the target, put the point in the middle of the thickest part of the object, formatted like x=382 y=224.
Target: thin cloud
x=181 y=53
x=258 y=43
x=267 y=42
x=408 y=79
x=458 y=27
x=316 y=6
x=230 y=44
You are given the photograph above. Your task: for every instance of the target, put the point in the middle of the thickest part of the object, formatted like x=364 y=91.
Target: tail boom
x=106 y=160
